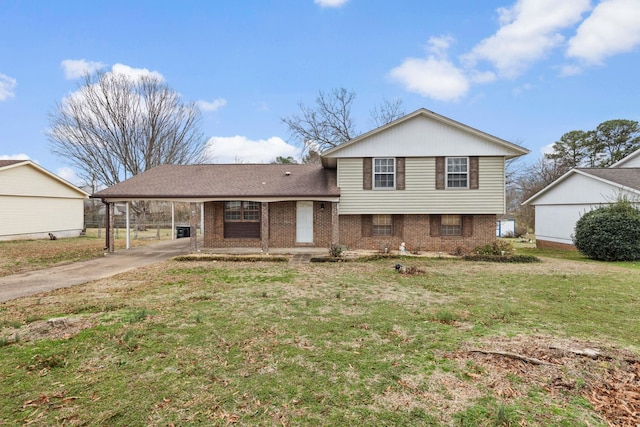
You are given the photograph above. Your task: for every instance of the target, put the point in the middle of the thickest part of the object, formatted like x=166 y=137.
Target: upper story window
x=242 y=211
x=457 y=172
x=384 y=173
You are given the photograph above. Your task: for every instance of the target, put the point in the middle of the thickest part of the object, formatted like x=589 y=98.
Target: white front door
x=304 y=222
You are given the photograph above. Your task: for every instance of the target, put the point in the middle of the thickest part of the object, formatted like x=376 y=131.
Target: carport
x=258 y=206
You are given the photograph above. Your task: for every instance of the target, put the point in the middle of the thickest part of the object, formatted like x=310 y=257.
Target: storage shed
x=35 y=202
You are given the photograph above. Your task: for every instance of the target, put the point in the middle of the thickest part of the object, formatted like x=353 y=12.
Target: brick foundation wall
x=416 y=231
x=282 y=226
x=546 y=244
x=417 y=235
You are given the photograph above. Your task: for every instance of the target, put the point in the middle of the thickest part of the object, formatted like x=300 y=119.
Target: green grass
x=216 y=343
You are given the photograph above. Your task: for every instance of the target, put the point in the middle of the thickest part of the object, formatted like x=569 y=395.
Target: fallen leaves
x=609 y=380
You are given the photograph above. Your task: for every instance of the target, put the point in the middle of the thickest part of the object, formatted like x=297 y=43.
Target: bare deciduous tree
x=330 y=123
x=387 y=112
x=528 y=182
x=115 y=126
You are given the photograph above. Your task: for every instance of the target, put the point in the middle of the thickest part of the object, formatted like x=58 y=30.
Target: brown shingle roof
x=629 y=177
x=4 y=163
x=230 y=181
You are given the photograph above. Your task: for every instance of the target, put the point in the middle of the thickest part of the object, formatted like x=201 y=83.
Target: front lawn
x=256 y=343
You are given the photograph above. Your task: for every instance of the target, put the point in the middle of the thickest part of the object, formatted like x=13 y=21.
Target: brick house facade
x=281 y=227
x=418 y=234
x=425 y=180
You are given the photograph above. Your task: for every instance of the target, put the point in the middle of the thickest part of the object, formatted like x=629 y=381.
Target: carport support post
x=111 y=219
x=193 y=223
x=202 y=219
x=173 y=221
x=128 y=225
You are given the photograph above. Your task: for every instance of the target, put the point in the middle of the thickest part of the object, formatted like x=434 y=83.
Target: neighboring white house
x=506 y=227
x=559 y=205
x=35 y=202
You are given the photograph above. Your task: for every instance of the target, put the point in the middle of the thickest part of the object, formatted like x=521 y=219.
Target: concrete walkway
x=63 y=276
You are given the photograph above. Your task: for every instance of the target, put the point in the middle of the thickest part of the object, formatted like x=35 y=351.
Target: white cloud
x=7 y=85
x=14 y=157
x=432 y=77
x=75 y=68
x=570 y=70
x=215 y=105
x=529 y=31
x=330 y=3
x=547 y=149
x=612 y=28
x=135 y=73
x=69 y=175
x=232 y=149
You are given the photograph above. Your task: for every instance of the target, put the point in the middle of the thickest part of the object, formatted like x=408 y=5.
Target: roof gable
x=423 y=133
x=24 y=177
x=595 y=183
x=631 y=161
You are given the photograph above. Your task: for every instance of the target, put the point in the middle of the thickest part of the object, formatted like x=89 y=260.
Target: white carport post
x=173 y=221
x=202 y=219
x=128 y=232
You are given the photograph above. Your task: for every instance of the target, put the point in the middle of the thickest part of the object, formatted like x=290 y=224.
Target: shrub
x=500 y=258
x=498 y=247
x=335 y=250
x=609 y=233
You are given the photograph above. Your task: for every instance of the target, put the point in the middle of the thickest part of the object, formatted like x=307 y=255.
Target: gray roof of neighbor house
x=227 y=181
x=629 y=177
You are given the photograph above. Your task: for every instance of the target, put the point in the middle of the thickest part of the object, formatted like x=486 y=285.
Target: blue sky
x=524 y=70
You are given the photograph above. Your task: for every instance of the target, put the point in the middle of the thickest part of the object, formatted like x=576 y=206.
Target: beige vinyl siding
x=28 y=181
x=420 y=195
x=34 y=203
x=31 y=215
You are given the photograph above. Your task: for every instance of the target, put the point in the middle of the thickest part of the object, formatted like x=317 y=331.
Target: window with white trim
x=382 y=225
x=457 y=172
x=451 y=225
x=384 y=173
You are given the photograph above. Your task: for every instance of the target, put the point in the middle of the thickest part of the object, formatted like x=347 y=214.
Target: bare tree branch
x=387 y=111
x=115 y=126
x=327 y=125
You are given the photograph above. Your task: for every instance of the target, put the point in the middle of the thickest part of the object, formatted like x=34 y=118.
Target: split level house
x=559 y=206
x=35 y=202
x=424 y=179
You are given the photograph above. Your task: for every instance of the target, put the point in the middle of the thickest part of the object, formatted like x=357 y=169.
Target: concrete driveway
x=63 y=276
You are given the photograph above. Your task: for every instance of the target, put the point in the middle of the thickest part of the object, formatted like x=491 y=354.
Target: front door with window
x=304 y=222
